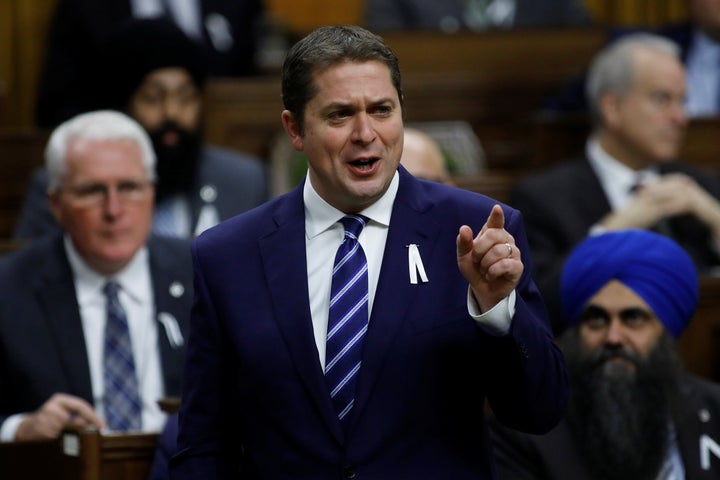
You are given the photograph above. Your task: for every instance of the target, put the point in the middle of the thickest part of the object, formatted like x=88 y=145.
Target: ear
x=610 y=106
x=292 y=129
x=54 y=201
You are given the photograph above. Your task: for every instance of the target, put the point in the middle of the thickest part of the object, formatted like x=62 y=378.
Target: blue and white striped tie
x=348 y=318
x=121 y=398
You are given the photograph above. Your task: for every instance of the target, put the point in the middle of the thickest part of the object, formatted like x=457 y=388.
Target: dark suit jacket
x=78 y=29
x=554 y=456
x=560 y=205
x=257 y=404
x=428 y=14
x=238 y=181
x=42 y=347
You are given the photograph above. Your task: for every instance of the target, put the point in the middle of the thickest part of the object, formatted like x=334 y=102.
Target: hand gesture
x=491 y=262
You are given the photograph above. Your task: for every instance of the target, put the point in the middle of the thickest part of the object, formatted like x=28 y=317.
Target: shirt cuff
x=497 y=320
x=9 y=427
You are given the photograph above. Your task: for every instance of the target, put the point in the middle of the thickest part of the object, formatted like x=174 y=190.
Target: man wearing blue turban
x=634 y=413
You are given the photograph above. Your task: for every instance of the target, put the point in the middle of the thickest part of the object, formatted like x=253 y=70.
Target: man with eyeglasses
x=93 y=321
x=198 y=185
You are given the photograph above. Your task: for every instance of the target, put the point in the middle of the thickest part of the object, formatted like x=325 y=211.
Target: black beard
x=176 y=165
x=619 y=419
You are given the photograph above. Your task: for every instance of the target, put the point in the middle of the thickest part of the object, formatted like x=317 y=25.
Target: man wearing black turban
x=634 y=413
x=152 y=71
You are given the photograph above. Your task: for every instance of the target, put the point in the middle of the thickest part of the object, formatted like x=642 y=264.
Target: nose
x=678 y=113
x=171 y=108
x=615 y=333
x=113 y=205
x=363 y=131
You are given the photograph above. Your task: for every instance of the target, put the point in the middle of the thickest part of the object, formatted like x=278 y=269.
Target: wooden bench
x=80 y=455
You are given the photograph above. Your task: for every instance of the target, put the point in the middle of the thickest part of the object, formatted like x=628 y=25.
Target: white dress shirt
x=323 y=235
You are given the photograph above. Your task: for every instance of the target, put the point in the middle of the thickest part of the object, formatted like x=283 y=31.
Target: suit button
x=349 y=471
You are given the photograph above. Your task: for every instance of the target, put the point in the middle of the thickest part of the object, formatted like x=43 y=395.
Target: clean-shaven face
x=353 y=134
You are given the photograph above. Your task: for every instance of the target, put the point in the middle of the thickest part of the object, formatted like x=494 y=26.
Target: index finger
x=80 y=410
x=496 y=219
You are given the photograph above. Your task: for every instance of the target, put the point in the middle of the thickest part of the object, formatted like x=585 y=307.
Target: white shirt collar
x=320 y=215
x=134 y=279
x=615 y=177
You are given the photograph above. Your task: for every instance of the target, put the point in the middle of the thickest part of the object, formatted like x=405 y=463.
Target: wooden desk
x=80 y=455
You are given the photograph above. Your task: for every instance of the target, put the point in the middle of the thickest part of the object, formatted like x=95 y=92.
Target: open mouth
x=365 y=163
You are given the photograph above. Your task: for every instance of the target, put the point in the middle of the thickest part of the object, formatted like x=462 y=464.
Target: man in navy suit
x=52 y=307
x=454 y=317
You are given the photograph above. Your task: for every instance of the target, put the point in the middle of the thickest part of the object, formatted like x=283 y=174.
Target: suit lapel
x=283 y=254
x=172 y=294
x=411 y=223
x=56 y=292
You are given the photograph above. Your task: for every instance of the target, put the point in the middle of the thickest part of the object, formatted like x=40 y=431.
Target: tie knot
x=111 y=289
x=353 y=225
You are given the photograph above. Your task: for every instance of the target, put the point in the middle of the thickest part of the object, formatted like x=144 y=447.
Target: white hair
x=613 y=68
x=95 y=126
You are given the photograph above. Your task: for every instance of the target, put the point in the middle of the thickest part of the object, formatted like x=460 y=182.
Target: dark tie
x=348 y=318
x=121 y=398
x=663 y=225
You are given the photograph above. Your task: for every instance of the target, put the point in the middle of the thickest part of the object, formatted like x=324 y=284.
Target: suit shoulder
x=217 y=157
x=23 y=264
x=698 y=387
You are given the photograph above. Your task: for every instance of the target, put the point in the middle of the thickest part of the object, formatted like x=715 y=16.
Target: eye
x=594 y=317
x=635 y=317
x=661 y=99
x=129 y=187
x=90 y=190
x=383 y=110
x=339 y=114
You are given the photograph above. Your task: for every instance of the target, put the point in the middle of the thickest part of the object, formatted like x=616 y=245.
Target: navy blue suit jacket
x=42 y=345
x=256 y=404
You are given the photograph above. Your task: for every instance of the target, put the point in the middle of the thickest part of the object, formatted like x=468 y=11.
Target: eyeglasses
x=95 y=194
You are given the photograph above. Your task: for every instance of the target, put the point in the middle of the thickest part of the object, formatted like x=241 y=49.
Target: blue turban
x=654 y=267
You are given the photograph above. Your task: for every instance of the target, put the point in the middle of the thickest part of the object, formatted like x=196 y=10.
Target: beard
x=177 y=163
x=620 y=419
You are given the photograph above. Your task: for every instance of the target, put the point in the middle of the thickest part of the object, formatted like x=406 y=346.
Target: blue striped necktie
x=348 y=318
x=121 y=398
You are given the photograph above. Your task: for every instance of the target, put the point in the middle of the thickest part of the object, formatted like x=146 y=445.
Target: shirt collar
x=320 y=215
x=608 y=169
x=134 y=279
